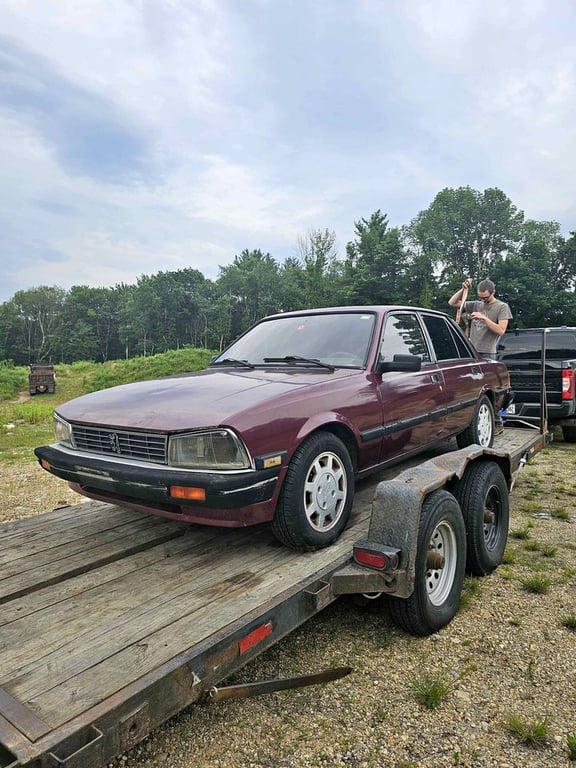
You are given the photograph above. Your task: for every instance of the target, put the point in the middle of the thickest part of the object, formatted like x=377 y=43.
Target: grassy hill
x=26 y=421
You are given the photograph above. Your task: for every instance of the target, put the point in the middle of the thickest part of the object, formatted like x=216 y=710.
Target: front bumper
x=231 y=498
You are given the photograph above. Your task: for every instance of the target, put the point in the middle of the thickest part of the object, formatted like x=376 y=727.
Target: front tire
x=481 y=429
x=483 y=496
x=317 y=495
x=439 y=568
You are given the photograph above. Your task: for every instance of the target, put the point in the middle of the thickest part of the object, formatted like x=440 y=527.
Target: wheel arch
x=338 y=428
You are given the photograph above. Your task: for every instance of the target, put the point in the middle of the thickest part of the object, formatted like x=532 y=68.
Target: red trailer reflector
x=377 y=556
x=255 y=637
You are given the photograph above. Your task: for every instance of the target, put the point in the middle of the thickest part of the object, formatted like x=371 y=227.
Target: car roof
x=375 y=308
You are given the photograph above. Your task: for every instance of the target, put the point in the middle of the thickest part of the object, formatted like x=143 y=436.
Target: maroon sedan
x=281 y=423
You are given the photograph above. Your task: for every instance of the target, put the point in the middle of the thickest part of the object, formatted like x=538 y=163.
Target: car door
x=413 y=403
x=461 y=371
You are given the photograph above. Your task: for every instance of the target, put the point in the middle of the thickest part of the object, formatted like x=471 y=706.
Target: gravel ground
x=507 y=654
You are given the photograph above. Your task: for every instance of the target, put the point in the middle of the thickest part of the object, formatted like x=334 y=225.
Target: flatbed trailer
x=112 y=621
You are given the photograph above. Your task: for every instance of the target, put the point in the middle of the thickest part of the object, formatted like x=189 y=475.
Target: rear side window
x=446 y=341
x=403 y=336
x=560 y=345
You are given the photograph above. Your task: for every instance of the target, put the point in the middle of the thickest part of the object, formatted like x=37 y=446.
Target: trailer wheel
x=439 y=568
x=481 y=429
x=483 y=496
x=316 y=498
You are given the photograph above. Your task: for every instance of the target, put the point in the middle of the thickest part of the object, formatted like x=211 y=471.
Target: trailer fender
x=395 y=518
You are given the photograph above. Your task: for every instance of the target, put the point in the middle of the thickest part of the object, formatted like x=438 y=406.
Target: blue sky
x=148 y=135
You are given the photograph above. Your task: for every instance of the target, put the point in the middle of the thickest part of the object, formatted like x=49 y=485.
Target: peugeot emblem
x=114 y=442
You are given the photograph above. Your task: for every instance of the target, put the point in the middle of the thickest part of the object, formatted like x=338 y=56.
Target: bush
x=12 y=380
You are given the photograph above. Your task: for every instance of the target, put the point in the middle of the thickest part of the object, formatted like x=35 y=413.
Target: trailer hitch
x=271 y=686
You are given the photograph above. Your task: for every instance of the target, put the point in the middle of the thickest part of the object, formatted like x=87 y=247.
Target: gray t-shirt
x=484 y=339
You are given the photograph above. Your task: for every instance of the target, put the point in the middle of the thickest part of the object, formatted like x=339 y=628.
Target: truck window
x=560 y=345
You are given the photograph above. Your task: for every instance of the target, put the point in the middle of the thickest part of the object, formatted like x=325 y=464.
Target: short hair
x=486 y=285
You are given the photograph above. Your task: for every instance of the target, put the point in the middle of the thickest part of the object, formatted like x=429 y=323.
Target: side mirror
x=400 y=363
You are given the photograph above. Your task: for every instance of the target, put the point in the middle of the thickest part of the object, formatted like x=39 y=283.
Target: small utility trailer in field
x=112 y=621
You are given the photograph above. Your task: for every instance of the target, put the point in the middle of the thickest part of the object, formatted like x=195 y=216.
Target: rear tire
x=437 y=585
x=569 y=434
x=317 y=495
x=481 y=429
x=483 y=496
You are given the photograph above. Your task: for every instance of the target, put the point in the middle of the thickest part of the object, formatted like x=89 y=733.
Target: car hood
x=202 y=399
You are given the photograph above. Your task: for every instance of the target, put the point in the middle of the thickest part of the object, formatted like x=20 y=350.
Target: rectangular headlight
x=63 y=431
x=217 y=449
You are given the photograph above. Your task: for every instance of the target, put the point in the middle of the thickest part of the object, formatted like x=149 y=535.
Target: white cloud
x=145 y=136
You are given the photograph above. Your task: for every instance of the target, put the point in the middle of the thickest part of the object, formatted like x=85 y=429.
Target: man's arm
x=498 y=328
x=456 y=299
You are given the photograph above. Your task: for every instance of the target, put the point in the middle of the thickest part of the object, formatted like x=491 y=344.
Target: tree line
x=464 y=232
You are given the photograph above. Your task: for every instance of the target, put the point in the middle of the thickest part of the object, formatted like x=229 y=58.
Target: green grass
x=26 y=422
x=471 y=590
x=560 y=514
x=536 y=584
x=521 y=533
x=571 y=746
x=535 y=734
x=510 y=556
x=569 y=621
x=431 y=690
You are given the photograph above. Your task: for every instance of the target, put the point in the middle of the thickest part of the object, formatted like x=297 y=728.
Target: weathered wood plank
x=104 y=549
x=75 y=533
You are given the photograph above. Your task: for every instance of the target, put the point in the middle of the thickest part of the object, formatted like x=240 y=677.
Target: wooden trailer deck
x=112 y=620
x=99 y=602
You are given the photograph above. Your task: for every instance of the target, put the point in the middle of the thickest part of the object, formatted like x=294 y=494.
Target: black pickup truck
x=525 y=352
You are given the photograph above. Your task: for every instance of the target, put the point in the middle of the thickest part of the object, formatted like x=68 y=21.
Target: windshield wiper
x=232 y=361
x=297 y=359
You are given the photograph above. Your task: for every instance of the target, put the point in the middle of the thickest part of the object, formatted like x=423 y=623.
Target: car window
x=341 y=339
x=447 y=344
x=403 y=336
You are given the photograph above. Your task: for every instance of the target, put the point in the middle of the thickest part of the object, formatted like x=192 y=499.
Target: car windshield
x=334 y=339
x=560 y=345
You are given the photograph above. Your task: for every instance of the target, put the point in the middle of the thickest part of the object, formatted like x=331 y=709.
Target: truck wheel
x=569 y=434
x=481 y=430
x=316 y=499
x=439 y=568
x=483 y=496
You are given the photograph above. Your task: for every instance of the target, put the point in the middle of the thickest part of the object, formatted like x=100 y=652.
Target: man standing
x=489 y=316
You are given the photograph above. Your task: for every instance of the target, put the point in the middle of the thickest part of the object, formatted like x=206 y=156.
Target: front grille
x=144 y=446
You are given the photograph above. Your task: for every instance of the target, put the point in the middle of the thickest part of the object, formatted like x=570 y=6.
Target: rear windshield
x=560 y=345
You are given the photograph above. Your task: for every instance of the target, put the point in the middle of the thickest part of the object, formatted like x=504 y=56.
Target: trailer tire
x=483 y=496
x=436 y=596
x=481 y=430
x=317 y=495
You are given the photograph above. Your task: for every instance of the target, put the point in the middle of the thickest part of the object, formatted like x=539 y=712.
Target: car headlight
x=211 y=449
x=63 y=431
